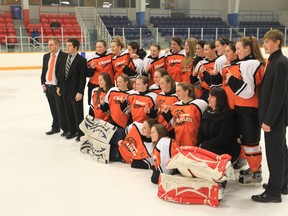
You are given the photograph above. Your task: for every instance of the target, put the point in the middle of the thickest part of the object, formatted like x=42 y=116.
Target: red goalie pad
x=189 y=191
x=192 y=161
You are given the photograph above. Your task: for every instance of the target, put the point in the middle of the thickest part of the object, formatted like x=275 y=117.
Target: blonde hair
x=192 y=50
x=119 y=41
x=275 y=35
x=188 y=87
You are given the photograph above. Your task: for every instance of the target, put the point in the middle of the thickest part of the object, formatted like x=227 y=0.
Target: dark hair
x=108 y=86
x=75 y=42
x=221 y=99
x=126 y=79
x=151 y=122
x=134 y=45
x=162 y=71
x=274 y=35
x=156 y=45
x=169 y=79
x=178 y=40
x=103 y=42
x=232 y=46
x=223 y=41
x=211 y=44
x=161 y=130
x=55 y=40
x=188 y=87
x=145 y=81
x=201 y=43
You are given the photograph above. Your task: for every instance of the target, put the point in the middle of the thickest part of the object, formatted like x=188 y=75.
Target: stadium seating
x=7 y=28
x=68 y=25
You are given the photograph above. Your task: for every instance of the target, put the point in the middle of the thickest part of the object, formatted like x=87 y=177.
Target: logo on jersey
x=104 y=64
x=120 y=63
x=181 y=117
x=131 y=145
x=173 y=62
x=162 y=106
x=139 y=104
x=159 y=66
x=118 y=99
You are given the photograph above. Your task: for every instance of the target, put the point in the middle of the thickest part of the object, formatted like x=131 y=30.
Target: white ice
x=44 y=175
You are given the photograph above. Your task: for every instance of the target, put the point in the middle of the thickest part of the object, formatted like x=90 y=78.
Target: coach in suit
x=71 y=86
x=273 y=107
x=52 y=63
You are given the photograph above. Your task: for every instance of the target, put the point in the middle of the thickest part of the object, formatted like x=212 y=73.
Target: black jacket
x=273 y=91
x=217 y=133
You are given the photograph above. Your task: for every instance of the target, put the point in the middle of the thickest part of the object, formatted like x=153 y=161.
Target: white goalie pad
x=86 y=145
x=192 y=162
x=100 y=151
x=186 y=190
x=97 y=129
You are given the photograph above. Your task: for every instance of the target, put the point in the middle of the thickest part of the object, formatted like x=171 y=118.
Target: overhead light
x=65 y=2
x=106 y=4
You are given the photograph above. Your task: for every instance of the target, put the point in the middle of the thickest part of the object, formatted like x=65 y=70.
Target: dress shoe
x=64 y=134
x=284 y=189
x=70 y=136
x=52 y=132
x=265 y=198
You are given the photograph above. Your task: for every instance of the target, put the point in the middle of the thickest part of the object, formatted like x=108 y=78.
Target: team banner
x=192 y=162
x=185 y=190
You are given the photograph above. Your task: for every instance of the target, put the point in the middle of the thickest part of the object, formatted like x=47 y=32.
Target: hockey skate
x=250 y=178
x=247 y=171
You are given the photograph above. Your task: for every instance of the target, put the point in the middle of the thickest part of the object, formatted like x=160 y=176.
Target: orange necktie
x=51 y=68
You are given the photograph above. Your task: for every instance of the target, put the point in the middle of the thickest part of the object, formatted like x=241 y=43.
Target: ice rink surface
x=44 y=175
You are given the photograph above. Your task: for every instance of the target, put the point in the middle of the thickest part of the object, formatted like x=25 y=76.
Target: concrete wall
x=26 y=61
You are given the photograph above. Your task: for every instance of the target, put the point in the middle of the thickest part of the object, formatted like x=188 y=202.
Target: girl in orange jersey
x=165 y=148
x=153 y=62
x=220 y=46
x=174 y=58
x=141 y=104
x=137 y=148
x=121 y=57
x=187 y=63
x=135 y=65
x=98 y=62
x=114 y=98
x=165 y=100
x=98 y=96
x=160 y=72
x=185 y=115
x=243 y=81
x=204 y=74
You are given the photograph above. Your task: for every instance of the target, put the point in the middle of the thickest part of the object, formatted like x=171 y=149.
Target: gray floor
x=44 y=175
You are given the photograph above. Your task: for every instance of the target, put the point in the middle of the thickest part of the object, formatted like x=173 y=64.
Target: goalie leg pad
x=185 y=190
x=100 y=152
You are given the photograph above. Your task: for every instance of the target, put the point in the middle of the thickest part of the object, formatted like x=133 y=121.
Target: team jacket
x=112 y=104
x=155 y=64
x=163 y=151
x=232 y=67
x=119 y=62
x=103 y=64
x=95 y=105
x=186 y=121
x=173 y=64
x=137 y=101
x=244 y=82
x=155 y=88
x=165 y=100
x=135 y=146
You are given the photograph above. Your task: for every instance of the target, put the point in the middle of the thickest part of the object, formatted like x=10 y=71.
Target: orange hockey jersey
x=173 y=64
x=95 y=105
x=186 y=121
x=155 y=63
x=119 y=62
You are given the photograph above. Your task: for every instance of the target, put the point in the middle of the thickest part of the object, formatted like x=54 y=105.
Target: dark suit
x=273 y=106
x=55 y=102
x=71 y=85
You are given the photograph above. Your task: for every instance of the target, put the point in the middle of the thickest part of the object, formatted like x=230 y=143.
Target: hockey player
x=160 y=72
x=153 y=62
x=187 y=63
x=98 y=63
x=174 y=58
x=244 y=82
